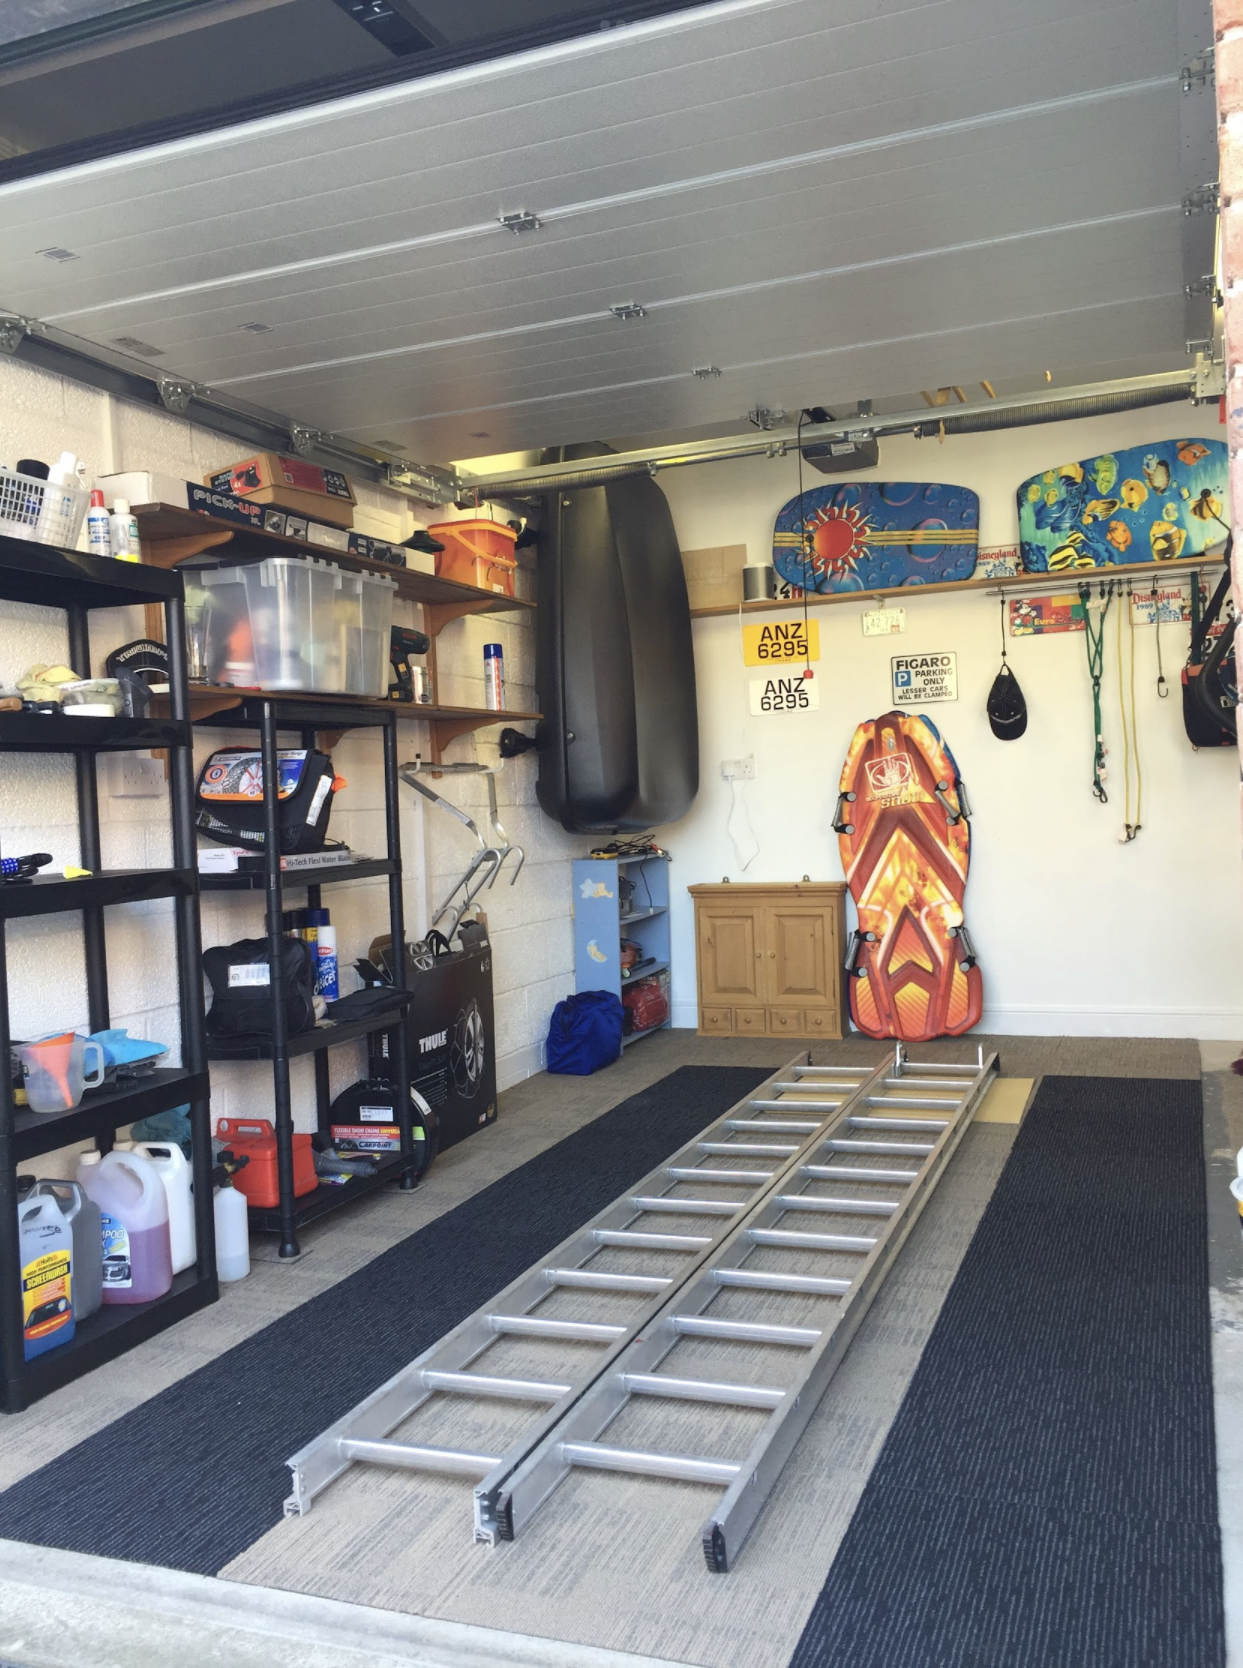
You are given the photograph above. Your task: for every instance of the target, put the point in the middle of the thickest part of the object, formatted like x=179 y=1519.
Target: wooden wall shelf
x=171 y=535
x=1149 y=573
x=333 y=714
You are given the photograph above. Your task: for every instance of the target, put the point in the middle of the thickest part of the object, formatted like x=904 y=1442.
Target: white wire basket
x=40 y=510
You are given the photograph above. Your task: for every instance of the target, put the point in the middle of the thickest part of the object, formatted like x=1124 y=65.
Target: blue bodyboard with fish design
x=869 y=535
x=1139 y=504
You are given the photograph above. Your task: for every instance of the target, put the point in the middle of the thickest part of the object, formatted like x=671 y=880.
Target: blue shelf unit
x=616 y=898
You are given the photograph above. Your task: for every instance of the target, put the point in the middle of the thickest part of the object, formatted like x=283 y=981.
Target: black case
x=240 y=976
x=615 y=667
x=228 y=799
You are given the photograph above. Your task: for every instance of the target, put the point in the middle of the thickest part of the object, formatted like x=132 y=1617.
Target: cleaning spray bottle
x=98 y=526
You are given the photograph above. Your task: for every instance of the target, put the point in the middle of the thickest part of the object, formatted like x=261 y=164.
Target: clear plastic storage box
x=293 y=622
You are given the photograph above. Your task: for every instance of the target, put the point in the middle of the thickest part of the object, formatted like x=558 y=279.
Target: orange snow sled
x=905 y=842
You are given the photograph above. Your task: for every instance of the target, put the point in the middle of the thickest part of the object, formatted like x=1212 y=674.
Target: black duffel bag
x=1207 y=718
x=240 y=976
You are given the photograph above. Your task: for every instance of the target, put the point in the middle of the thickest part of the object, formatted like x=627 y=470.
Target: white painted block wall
x=41 y=415
x=1076 y=933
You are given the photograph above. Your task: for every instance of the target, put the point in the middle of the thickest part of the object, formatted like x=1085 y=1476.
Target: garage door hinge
x=1205 y=199
x=1209 y=380
x=1197 y=73
x=1203 y=286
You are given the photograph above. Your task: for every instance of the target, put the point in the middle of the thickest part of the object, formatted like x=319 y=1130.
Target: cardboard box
x=714 y=577
x=143 y=486
x=225 y=506
x=290 y=484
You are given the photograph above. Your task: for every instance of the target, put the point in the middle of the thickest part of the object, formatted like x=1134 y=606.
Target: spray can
x=98 y=526
x=327 y=983
x=494 y=677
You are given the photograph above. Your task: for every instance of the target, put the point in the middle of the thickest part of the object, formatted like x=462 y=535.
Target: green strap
x=1094 y=641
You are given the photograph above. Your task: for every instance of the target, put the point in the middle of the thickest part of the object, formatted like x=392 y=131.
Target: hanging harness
x=1094 y=639
x=1130 y=731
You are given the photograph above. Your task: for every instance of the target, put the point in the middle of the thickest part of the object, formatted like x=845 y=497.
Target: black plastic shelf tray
x=307 y=1042
x=328 y=1198
x=50 y=894
x=103 y=1110
x=331 y=874
x=36 y=732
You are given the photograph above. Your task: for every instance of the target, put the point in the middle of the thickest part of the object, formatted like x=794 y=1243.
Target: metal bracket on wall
x=176 y=393
x=304 y=440
x=1210 y=379
x=13 y=331
x=433 y=486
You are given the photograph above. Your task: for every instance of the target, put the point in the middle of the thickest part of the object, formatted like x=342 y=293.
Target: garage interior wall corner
x=40 y=416
x=1077 y=934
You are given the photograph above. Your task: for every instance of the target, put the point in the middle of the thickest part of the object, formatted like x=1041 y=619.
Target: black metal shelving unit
x=309 y=719
x=76 y=583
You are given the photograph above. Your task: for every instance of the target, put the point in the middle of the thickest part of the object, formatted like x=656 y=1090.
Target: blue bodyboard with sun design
x=1139 y=504
x=870 y=535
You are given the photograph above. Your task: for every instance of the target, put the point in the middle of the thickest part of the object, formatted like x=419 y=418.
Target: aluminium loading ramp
x=851 y=1200
x=743 y=1153
x=877 y=1140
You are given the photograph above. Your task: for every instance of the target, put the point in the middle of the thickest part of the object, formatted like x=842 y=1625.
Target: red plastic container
x=477 y=552
x=256 y=1138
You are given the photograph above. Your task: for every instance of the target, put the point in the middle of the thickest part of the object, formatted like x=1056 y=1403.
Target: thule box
x=451 y=1039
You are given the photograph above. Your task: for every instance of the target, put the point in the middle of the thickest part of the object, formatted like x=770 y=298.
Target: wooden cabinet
x=769 y=959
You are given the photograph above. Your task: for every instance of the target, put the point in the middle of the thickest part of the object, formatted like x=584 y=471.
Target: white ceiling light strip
x=643 y=194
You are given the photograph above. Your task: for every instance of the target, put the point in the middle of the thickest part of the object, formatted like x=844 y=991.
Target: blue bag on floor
x=585 y=1033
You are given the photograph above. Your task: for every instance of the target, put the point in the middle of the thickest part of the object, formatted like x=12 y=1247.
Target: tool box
x=255 y=1140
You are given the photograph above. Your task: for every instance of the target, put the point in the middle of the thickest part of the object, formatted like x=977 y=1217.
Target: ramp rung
x=844 y=1207
x=503 y=1389
x=796 y=1105
x=858 y=1073
x=701 y=1390
x=937 y=1066
x=751 y=1149
x=630 y=1237
x=688 y=1467
x=842 y=1172
x=649 y=1202
x=771 y=1126
x=916 y=1103
x=960 y=1083
x=532 y=1326
x=810 y=1242
x=913 y=1126
x=904 y=1149
x=697 y=1173
x=459 y=1462
x=759 y=1280
x=605 y=1282
x=750 y=1332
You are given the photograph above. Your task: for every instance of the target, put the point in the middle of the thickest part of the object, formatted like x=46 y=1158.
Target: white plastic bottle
x=232 y=1233
x=98 y=526
x=124 y=532
x=173 y=1168
x=327 y=982
x=138 y=1264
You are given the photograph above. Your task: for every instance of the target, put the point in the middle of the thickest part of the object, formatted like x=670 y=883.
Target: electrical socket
x=134 y=776
x=739 y=770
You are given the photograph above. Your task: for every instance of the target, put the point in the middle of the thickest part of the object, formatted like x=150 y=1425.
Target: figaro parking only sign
x=920 y=678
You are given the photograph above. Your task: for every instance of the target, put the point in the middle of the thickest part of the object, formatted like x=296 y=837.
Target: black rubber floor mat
x=195 y=1475
x=1047 y=1495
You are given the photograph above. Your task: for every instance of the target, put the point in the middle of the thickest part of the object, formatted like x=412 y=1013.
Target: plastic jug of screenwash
x=137 y=1250
x=174 y=1171
x=45 y=1243
x=83 y=1216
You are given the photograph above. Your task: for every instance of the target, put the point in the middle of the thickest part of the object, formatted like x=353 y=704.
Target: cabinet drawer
x=717 y=1019
x=754 y=1020
x=786 y=1022
x=822 y=1022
